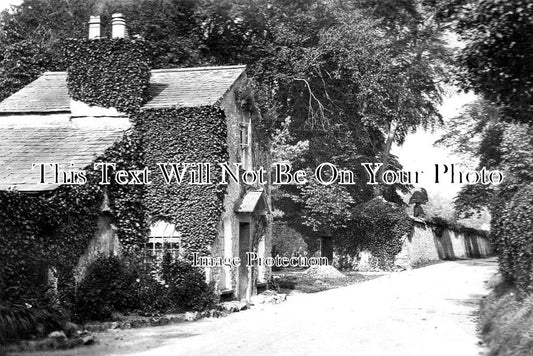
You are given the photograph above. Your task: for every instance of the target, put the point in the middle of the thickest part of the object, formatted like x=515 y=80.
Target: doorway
x=244 y=247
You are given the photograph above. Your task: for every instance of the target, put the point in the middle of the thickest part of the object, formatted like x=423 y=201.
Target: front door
x=244 y=247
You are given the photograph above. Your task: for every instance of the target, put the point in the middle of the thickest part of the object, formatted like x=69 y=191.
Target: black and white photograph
x=266 y=177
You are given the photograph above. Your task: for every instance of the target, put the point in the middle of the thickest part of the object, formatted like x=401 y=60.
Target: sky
x=4 y=4
x=419 y=154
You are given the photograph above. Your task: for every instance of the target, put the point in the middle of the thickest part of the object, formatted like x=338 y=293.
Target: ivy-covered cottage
x=138 y=124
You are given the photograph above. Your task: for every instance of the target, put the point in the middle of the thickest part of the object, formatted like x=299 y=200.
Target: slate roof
x=191 y=87
x=187 y=87
x=47 y=94
x=21 y=147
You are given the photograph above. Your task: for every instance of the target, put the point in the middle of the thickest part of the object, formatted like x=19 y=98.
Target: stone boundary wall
x=429 y=242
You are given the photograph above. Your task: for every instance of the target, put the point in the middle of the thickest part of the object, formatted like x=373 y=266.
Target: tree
x=496 y=63
x=30 y=38
x=475 y=134
x=368 y=83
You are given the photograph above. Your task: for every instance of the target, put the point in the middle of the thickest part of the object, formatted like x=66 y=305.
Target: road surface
x=427 y=311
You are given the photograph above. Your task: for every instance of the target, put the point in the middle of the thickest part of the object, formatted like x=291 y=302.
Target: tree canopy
x=498 y=58
x=497 y=63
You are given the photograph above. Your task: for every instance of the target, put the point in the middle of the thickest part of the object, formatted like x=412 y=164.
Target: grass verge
x=306 y=284
x=506 y=322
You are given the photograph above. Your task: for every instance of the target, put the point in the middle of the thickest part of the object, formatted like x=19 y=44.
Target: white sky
x=419 y=154
x=4 y=4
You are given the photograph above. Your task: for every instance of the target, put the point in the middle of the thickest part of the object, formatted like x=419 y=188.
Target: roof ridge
x=160 y=70
x=54 y=73
x=192 y=69
x=188 y=87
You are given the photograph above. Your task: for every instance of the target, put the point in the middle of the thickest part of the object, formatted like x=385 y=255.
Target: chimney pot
x=94 y=27
x=118 y=26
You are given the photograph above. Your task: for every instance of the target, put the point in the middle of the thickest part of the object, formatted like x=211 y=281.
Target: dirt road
x=427 y=311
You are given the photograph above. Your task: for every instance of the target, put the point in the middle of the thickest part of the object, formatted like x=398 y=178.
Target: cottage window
x=245 y=143
x=163 y=239
x=245 y=135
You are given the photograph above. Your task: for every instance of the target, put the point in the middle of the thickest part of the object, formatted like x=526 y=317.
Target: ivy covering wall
x=185 y=135
x=108 y=72
x=512 y=236
x=126 y=202
x=379 y=227
x=44 y=230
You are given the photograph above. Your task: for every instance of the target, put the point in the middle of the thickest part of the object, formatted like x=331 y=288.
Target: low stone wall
x=430 y=242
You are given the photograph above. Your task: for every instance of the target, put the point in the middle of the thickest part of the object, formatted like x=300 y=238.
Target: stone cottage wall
x=232 y=277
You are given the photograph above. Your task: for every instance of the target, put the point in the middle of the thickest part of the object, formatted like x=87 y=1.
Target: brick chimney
x=118 y=26
x=94 y=27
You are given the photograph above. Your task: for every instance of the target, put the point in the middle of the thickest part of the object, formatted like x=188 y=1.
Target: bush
x=286 y=241
x=512 y=234
x=112 y=285
x=378 y=226
x=151 y=295
x=187 y=289
x=107 y=287
x=32 y=317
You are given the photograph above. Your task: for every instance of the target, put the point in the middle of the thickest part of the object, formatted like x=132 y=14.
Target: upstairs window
x=245 y=144
x=245 y=135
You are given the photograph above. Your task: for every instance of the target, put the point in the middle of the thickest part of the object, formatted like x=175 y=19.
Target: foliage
x=476 y=134
x=126 y=202
x=185 y=135
x=320 y=64
x=343 y=95
x=379 y=227
x=512 y=234
x=465 y=132
x=151 y=297
x=35 y=317
x=506 y=322
x=507 y=147
x=456 y=226
x=283 y=148
x=187 y=288
x=113 y=284
x=48 y=231
x=286 y=241
x=30 y=38
x=109 y=73
x=325 y=208
x=496 y=60
x=307 y=284
x=38 y=232
x=106 y=288
x=172 y=30
x=496 y=63
x=517 y=152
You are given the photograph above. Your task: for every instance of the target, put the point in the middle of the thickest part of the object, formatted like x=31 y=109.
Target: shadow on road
x=479 y=262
